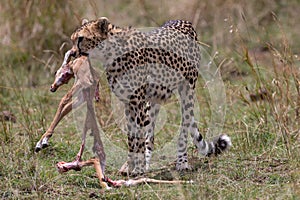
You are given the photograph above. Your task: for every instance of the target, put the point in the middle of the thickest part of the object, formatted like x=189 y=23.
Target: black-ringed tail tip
x=221 y=144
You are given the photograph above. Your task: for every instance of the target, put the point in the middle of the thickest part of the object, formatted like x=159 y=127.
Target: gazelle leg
x=65 y=106
x=75 y=165
x=63 y=166
x=91 y=123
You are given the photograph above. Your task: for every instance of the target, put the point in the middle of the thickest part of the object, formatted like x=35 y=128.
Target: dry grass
x=258 y=47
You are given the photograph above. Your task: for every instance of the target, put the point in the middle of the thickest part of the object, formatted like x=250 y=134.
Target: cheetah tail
x=215 y=147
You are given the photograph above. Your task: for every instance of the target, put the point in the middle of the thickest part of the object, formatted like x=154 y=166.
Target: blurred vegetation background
x=257 y=45
x=35 y=34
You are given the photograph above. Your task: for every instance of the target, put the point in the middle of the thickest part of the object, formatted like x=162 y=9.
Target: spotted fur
x=143 y=70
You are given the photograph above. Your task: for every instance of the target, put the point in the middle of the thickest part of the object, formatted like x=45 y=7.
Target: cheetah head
x=88 y=36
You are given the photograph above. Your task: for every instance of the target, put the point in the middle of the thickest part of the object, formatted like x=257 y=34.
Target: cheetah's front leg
x=149 y=130
x=136 y=162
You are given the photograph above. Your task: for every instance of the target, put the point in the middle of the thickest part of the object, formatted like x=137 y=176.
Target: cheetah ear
x=103 y=24
x=84 y=21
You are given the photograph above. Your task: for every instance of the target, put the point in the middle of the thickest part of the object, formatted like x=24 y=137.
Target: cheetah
x=144 y=69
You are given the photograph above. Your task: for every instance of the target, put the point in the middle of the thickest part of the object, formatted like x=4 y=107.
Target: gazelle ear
x=103 y=24
x=84 y=21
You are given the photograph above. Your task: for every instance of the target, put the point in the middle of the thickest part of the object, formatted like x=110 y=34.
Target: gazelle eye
x=55 y=72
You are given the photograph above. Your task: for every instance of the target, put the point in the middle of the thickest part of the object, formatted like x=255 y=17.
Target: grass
x=262 y=104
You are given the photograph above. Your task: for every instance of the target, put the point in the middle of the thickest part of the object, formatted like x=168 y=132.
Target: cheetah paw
x=183 y=167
